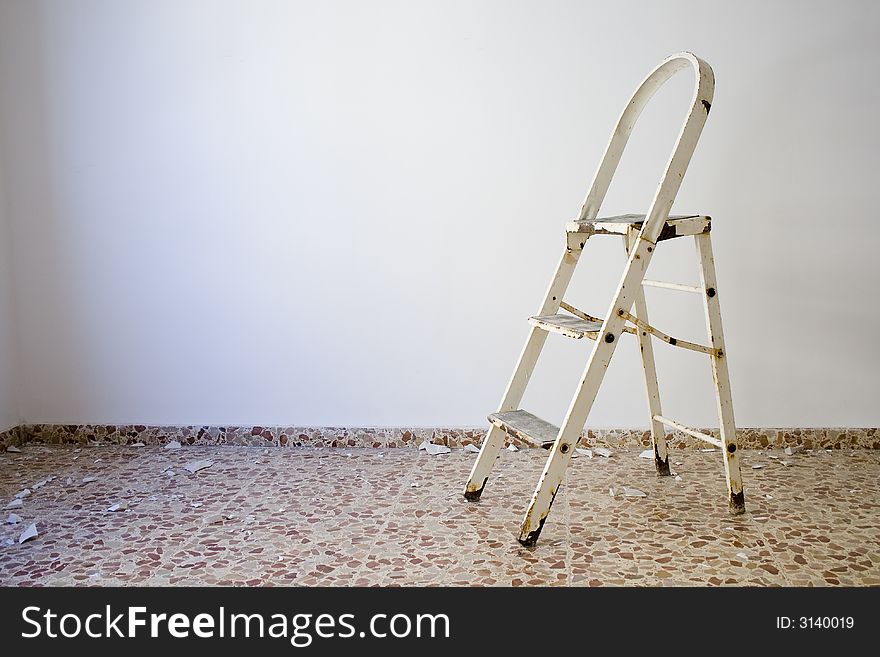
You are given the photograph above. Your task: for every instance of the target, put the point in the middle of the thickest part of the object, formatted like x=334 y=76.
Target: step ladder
x=627 y=314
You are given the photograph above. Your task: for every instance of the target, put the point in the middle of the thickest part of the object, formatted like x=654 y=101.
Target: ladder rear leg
x=658 y=432
x=720 y=375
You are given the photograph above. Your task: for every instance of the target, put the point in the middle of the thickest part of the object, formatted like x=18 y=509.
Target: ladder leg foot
x=662 y=466
x=530 y=539
x=737 y=503
x=473 y=494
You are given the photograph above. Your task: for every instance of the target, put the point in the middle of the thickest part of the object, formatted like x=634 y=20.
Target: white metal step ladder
x=627 y=313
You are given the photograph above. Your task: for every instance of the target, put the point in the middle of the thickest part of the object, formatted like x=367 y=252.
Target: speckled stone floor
x=310 y=516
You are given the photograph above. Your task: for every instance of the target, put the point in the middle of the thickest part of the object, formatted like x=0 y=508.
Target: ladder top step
x=676 y=225
x=568 y=325
x=527 y=427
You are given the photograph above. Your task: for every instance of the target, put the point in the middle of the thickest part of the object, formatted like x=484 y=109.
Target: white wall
x=341 y=213
x=9 y=365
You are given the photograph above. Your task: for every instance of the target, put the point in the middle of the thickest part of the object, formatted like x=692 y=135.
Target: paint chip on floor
x=28 y=534
x=195 y=466
x=434 y=450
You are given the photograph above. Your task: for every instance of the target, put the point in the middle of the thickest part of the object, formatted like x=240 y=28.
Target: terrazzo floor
x=312 y=516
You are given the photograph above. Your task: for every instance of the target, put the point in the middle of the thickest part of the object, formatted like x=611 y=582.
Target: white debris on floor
x=14 y=504
x=13 y=519
x=433 y=449
x=647 y=454
x=603 y=452
x=472 y=448
x=174 y=444
x=584 y=452
x=88 y=480
x=13 y=449
x=512 y=448
x=42 y=482
x=796 y=449
x=625 y=491
x=194 y=466
x=28 y=534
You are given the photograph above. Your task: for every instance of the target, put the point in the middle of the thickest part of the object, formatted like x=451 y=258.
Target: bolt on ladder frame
x=641 y=234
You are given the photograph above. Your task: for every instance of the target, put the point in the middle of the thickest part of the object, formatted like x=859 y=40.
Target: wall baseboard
x=12 y=436
x=392 y=437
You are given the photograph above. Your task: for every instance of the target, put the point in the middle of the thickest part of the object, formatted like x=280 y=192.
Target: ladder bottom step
x=527 y=427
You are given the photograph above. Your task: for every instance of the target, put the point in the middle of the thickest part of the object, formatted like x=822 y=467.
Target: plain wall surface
x=9 y=372
x=342 y=213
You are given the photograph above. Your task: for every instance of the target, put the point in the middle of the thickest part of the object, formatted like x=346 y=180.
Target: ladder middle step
x=573 y=327
x=527 y=427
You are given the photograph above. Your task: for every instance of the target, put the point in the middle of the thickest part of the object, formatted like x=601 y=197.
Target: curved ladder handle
x=704 y=89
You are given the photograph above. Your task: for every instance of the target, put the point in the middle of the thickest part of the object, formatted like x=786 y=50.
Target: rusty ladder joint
x=589 y=318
